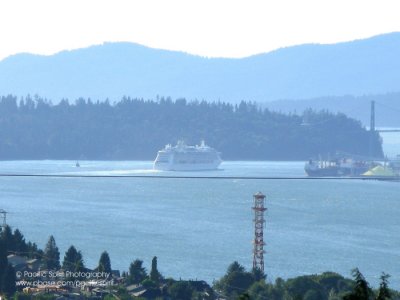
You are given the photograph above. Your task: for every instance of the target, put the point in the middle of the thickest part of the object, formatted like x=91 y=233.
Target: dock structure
x=259 y=223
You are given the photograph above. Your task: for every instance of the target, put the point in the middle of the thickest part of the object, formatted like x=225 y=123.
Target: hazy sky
x=225 y=28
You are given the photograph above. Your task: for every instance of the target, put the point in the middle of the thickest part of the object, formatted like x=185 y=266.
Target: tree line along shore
x=135 y=129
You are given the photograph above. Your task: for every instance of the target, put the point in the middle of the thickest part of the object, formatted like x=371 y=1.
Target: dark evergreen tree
x=235 y=282
x=8 y=238
x=137 y=273
x=73 y=260
x=244 y=296
x=181 y=290
x=3 y=261
x=235 y=267
x=258 y=274
x=304 y=285
x=261 y=290
x=384 y=292
x=33 y=251
x=20 y=246
x=8 y=285
x=51 y=257
x=104 y=263
x=24 y=296
x=154 y=274
x=361 y=290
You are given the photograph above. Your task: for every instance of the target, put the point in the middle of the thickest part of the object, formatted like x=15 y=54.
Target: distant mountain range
x=112 y=70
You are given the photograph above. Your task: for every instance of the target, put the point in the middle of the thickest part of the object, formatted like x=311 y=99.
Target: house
x=34 y=264
x=18 y=262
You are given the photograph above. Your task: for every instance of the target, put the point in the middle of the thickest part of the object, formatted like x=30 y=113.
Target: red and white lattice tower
x=259 y=223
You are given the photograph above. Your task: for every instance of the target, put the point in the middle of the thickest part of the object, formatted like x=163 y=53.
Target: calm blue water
x=196 y=228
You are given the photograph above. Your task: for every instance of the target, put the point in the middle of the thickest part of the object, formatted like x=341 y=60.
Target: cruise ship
x=187 y=158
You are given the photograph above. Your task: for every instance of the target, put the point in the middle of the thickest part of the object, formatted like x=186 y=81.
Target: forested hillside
x=33 y=128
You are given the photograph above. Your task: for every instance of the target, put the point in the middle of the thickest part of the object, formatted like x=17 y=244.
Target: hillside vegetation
x=136 y=129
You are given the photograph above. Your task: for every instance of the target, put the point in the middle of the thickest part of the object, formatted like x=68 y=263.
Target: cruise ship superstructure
x=187 y=158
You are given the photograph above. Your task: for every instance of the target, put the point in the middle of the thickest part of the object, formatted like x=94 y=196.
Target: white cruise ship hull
x=186 y=167
x=187 y=158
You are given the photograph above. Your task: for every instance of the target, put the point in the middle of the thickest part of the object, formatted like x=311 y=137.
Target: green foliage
x=3 y=261
x=333 y=295
x=51 y=258
x=33 y=251
x=325 y=286
x=8 y=238
x=136 y=129
x=152 y=288
x=300 y=286
x=8 y=281
x=73 y=260
x=137 y=273
x=22 y=296
x=312 y=295
x=235 y=282
x=258 y=274
x=384 y=292
x=10 y=243
x=154 y=274
x=189 y=289
x=261 y=290
x=235 y=267
x=123 y=294
x=20 y=246
x=104 y=263
x=15 y=243
x=181 y=290
x=244 y=296
x=149 y=284
x=361 y=289
x=334 y=282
